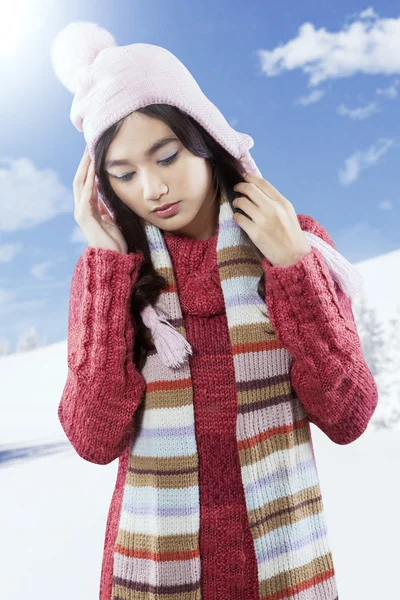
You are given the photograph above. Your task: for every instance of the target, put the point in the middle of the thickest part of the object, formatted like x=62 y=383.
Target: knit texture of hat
x=109 y=82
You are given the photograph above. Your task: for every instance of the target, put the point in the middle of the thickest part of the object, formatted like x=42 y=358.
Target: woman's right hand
x=91 y=214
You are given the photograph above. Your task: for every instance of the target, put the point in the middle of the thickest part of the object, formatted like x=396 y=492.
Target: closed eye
x=165 y=162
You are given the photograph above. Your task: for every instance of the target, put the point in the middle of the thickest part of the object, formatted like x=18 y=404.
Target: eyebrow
x=149 y=152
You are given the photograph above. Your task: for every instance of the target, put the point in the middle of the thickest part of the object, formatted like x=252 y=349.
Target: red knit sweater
x=312 y=318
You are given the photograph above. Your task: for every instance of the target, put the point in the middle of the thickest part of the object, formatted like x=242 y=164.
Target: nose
x=153 y=188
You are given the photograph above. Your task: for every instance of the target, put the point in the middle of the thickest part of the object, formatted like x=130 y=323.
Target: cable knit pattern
x=103 y=389
x=200 y=290
x=314 y=320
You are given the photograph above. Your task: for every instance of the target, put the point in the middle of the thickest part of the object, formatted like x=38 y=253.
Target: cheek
x=123 y=191
x=128 y=198
x=195 y=174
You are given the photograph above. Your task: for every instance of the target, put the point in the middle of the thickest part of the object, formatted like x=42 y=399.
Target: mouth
x=167 y=209
x=164 y=207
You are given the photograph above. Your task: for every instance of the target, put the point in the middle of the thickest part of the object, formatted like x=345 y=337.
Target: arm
x=103 y=388
x=314 y=321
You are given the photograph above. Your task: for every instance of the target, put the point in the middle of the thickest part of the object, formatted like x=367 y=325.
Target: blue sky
x=317 y=86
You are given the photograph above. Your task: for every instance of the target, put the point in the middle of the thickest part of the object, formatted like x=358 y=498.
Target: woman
x=202 y=342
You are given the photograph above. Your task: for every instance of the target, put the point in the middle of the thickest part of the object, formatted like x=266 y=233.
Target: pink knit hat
x=109 y=82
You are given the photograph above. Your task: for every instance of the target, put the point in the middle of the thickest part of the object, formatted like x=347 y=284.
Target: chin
x=176 y=224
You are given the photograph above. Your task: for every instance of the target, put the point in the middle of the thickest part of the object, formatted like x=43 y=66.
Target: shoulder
x=308 y=223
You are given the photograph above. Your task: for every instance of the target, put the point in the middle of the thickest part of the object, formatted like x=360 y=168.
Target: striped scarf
x=157 y=552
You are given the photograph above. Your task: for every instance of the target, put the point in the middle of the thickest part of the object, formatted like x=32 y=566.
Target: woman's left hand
x=272 y=224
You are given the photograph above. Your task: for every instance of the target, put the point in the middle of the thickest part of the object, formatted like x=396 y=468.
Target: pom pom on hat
x=76 y=47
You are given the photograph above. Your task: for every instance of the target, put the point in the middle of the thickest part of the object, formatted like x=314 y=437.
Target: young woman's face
x=169 y=174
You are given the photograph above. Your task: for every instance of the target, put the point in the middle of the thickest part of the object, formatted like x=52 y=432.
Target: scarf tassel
x=171 y=346
x=173 y=349
x=348 y=278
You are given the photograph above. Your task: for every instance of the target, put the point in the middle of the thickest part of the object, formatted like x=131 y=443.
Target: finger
x=247 y=225
x=84 y=160
x=248 y=207
x=253 y=192
x=81 y=172
x=265 y=186
x=87 y=191
x=90 y=175
x=80 y=179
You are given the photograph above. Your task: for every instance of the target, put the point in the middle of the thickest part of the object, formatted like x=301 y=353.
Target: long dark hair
x=226 y=174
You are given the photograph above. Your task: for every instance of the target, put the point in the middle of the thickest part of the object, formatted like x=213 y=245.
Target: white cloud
x=312 y=98
x=385 y=205
x=362 y=112
x=8 y=251
x=367 y=45
x=363 y=159
x=30 y=196
x=40 y=269
x=389 y=92
x=368 y=13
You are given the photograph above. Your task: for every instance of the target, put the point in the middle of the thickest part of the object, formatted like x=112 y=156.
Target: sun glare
x=20 y=20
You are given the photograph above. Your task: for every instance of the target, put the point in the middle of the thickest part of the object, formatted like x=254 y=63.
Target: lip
x=169 y=210
x=164 y=207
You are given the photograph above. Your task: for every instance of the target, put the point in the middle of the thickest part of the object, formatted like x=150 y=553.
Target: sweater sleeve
x=103 y=388
x=314 y=321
